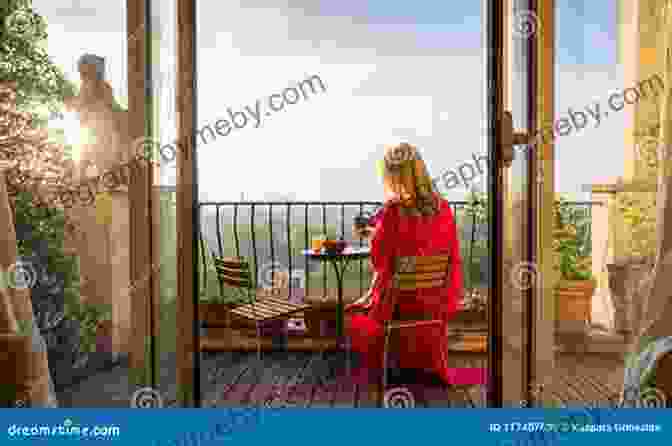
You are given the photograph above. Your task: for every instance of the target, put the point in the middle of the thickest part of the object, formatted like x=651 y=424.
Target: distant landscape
x=273 y=243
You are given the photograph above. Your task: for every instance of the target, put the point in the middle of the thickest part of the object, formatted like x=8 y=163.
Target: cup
x=316 y=243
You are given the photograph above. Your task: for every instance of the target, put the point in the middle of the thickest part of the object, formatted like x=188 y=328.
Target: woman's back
x=419 y=235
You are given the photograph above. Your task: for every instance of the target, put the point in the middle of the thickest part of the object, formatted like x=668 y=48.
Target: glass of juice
x=317 y=242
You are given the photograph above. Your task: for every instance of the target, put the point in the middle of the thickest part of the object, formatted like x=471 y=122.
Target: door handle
x=510 y=138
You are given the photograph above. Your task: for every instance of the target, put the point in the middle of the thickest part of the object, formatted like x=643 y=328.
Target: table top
x=351 y=252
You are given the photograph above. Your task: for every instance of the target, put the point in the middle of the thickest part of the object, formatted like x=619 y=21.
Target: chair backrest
x=233 y=271
x=412 y=273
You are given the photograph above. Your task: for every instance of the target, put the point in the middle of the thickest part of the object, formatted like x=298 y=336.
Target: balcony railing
x=273 y=234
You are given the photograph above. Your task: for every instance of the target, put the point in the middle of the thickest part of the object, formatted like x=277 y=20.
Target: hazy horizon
x=393 y=71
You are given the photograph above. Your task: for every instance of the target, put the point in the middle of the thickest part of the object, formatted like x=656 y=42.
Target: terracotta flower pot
x=574 y=299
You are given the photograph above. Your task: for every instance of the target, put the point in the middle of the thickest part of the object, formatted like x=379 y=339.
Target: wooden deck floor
x=300 y=379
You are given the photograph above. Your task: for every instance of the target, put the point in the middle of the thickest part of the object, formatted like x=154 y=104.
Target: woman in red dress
x=414 y=221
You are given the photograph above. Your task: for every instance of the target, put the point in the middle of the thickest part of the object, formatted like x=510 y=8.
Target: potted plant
x=574 y=291
x=89 y=317
x=475 y=300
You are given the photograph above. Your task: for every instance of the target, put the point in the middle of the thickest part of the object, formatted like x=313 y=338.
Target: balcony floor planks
x=310 y=380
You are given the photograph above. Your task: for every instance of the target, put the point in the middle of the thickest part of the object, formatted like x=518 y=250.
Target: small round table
x=340 y=262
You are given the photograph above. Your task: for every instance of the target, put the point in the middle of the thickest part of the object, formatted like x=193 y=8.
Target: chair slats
x=232 y=262
x=263 y=310
x=414 y=277
x=413 y=273
x=409 y=324
x=270 y=308
x=235 y=282
x=233 y=272
x=429 y=268
x=426 y=260
x=419 y=284
x=257 y=308
x=280 y=303
x=247 y=313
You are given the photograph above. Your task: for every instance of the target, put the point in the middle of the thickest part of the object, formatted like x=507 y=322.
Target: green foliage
x=571 y=225
x=638 y=207
x=25 y=327
x=89 y=317
x=24 y=60
x=477 y=207
x=475 y=213
x=639 y=213
x=41 y=84
x=44 y=231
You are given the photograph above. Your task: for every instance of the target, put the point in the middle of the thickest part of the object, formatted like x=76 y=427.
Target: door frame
x=494 y=29
x=187 y=209
x=538 y=300
x=542 y=304
x=541 y=103
x=142 y=220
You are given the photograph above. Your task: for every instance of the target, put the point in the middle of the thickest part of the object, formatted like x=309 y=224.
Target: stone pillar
x=629 y=49
x=103 y=247
x=103 y=250
x=119 y=271
x=602 y=253
x=618 y=292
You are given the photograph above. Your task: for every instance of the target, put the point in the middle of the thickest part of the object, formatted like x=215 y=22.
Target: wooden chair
x=257 y=307
x=410 y=275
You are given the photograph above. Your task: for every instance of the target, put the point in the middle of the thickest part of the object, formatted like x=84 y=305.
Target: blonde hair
x=405 y=175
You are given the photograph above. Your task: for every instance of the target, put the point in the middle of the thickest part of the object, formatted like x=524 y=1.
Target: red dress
x=420 y=347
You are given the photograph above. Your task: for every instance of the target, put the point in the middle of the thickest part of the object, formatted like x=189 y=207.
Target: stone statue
x=102 y=142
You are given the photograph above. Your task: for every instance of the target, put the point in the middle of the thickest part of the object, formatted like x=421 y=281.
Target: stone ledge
x=590 y=341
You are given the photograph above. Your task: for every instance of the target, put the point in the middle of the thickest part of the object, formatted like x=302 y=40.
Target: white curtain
x=657 y=311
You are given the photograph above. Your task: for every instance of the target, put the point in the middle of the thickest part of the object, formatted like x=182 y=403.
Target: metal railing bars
x=253 y=251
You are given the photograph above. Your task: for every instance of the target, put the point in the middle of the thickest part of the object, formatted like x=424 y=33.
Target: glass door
x=513 y=316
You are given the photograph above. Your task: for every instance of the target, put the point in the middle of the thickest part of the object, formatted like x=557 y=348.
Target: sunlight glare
x=73 y=133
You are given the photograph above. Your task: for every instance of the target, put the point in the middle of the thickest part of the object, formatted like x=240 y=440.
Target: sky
x=393 y=71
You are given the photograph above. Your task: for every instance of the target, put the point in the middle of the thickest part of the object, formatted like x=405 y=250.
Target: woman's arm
x=364 y=302
x=383 y=240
